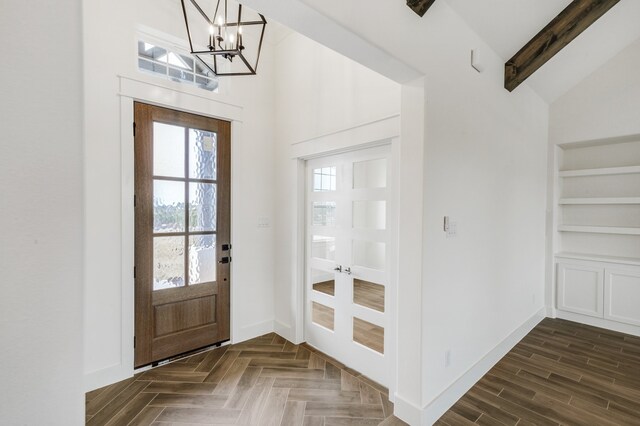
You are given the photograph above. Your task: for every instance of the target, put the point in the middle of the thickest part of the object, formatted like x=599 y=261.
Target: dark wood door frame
x=200 y=326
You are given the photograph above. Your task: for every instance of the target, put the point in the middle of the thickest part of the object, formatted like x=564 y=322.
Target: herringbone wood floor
x=264 y=381
x=560 y=373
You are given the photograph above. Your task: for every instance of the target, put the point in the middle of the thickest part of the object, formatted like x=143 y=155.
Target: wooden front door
x=182 y=235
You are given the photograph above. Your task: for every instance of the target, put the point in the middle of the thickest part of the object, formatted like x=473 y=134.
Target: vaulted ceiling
x=506 y=26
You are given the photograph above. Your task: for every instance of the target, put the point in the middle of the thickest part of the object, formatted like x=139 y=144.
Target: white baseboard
x=599 y=322
x=106 y=376
x=407 y=411
x=286 y=331
x=436 y=408
x=254 y=330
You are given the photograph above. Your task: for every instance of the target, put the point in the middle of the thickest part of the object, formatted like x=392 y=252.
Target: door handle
x=347 y=271
x=225 y=259
x=338 y=268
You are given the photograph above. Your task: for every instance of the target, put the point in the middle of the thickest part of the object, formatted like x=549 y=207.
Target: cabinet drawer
x=622 y=295
x=581 y=289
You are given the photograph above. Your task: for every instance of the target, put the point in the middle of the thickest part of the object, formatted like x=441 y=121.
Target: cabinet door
x=622 y=295
x=581 y=289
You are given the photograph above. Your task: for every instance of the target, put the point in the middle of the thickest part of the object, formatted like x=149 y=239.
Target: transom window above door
x=175 y=65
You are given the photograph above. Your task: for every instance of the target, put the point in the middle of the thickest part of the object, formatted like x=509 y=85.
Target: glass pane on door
x=168 y=150
x=370 y=174
x=202 y=259
x=203 y=147
x=370 y=214
x=323 y=281
x=369 y=335
x=168 y=262
x=202 y=206
x=324 y=213
x=369 y=254
x=168 y=206
x=368 y=294
x=324 y=179
x=323 y=247
x=322 y=315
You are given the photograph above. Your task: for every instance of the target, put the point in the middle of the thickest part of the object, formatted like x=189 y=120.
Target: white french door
x=348 y=309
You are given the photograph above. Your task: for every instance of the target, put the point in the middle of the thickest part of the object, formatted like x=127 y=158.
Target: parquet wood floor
x=264 y=381
x=561 y=373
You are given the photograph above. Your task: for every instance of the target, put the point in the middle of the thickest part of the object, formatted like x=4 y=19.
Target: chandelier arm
x=247 y=63
x=197 y=6
x=260 y=43
x=186 y=23
x=215 y=13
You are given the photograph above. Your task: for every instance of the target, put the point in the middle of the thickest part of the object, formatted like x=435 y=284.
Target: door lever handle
x=338 y=268
x=347 y=271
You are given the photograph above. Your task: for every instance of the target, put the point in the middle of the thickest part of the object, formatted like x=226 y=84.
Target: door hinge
x=134 y=201
x=134 y=272
x=134 y=341
x=134 y=129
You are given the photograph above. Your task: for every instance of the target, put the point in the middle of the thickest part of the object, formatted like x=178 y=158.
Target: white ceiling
x=507 y=25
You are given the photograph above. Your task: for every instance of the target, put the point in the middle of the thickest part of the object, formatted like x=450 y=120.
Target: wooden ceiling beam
x=565 y=27
x=420 y=6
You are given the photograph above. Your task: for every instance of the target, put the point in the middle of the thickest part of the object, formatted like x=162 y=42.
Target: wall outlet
x=447 y=358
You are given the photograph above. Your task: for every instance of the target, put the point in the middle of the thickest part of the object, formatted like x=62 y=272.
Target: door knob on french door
x=338 y=268
x=347 y=271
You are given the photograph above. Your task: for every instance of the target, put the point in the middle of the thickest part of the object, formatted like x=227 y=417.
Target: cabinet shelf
x=599 y=229
x=599 y=258
x=599 y=200
x=600 y=171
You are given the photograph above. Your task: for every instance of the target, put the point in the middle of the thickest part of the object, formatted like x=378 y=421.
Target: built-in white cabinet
x=599 y=290
x=596 y=242
x=581 y=289
x=622 y=295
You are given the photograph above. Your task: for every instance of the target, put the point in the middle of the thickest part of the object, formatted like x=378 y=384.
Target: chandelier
x=224 y=40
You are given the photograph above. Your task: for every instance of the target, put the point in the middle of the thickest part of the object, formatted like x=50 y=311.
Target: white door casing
x=349 y=211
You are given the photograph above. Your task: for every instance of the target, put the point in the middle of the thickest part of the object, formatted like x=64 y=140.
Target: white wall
x=110 y=49
x=604 y=105
x=318 y=93
x=485 y=168
x=41 y=213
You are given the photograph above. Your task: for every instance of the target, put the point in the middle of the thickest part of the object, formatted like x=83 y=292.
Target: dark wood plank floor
x=560 y=373
x=265 y=381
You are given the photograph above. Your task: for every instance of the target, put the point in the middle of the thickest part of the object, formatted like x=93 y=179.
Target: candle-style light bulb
x=211 y=44
x=220 y=21
x=211 y=29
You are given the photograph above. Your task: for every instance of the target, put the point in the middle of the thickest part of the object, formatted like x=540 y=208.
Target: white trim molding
x=377 y=132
